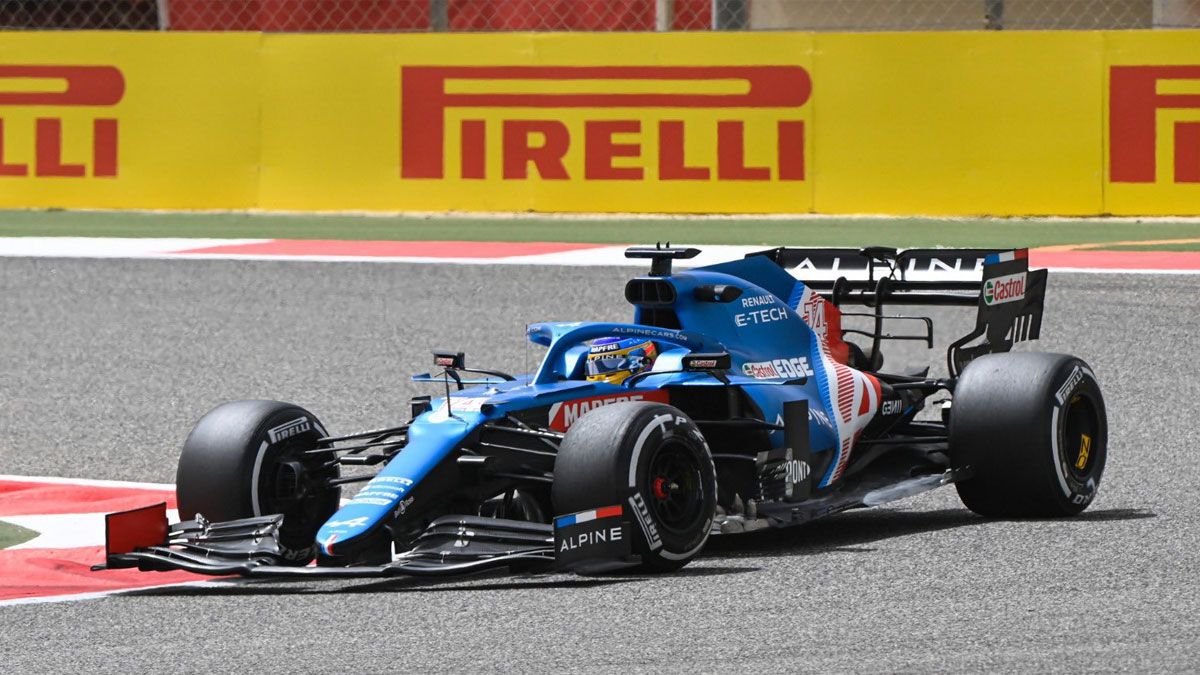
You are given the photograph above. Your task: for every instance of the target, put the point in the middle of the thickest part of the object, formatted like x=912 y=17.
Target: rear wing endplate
x=1010 y=309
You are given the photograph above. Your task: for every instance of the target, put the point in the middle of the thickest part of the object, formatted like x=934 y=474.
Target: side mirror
x=717 y=293
x=702 y=363
x=456 y=360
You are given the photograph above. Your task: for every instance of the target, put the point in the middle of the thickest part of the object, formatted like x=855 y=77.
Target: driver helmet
x=615 y=360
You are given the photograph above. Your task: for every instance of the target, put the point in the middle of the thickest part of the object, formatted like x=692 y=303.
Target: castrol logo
x=1008 y=288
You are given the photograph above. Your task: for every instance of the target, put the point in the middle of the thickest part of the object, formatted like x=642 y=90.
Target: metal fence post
x=439 y=15
x=164 y=15
x=993 y=14
x=729 y=15
x=664 y=15
x=1159 y=13
x=1176 y=13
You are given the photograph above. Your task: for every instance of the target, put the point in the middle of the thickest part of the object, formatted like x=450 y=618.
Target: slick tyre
x=1030 y=431
x=652 y=460
x=246 y=459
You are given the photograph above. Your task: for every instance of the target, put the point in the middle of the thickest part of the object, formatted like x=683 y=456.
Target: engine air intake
x=650 y=292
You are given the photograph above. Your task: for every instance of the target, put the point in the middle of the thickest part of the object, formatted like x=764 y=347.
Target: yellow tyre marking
x=1085 y=448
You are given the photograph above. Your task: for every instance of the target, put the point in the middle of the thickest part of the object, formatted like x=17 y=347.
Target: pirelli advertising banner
x=1013 y=123
x=130 y=120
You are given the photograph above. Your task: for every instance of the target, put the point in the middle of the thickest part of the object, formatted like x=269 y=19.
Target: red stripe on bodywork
x=392 y=249
x=875 y=385
x=845 y=396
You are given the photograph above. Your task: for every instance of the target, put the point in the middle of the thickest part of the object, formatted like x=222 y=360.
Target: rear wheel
x=1031 y=430
x=249 y=458
x=651 y=459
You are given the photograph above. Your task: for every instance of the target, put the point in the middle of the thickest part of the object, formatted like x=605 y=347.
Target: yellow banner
x=129 y=120
x=1013 y=123
x=958 y=123
x=1152 y=117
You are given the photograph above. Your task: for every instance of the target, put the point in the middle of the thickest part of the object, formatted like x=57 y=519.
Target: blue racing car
x=737 y=399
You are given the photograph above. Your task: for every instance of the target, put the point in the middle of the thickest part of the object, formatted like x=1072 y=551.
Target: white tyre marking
x=1058 y=470
x=262 y=451
x=660 y=421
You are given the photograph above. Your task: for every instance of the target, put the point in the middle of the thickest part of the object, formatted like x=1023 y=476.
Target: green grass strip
x=809 y=231
x=11 y=535
x=1188 y=246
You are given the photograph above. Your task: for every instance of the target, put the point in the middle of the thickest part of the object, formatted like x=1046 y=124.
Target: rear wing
x=1007 y=295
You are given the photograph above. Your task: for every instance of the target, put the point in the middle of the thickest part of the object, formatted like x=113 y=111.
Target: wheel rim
x=1080 y=449
x=303 y=507
x=676 y=488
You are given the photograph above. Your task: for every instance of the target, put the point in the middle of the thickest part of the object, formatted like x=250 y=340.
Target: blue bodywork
x=762 y=325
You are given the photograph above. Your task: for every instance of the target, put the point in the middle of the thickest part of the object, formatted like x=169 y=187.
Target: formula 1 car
x=757 y=412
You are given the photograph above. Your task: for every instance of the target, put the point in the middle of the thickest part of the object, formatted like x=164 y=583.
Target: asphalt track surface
x=106 y=364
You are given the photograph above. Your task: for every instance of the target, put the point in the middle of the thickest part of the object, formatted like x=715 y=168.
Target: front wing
x=450 y=545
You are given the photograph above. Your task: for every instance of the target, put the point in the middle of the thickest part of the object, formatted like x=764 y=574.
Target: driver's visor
x=608 y=364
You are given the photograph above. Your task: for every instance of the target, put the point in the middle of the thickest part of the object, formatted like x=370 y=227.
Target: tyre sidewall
x=1075 y=492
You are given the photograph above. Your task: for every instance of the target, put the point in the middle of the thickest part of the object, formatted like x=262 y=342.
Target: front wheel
x=1030 y=430
x=652 y=460
x=250 y=458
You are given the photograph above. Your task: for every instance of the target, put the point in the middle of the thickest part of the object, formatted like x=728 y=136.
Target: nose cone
x=431 y=440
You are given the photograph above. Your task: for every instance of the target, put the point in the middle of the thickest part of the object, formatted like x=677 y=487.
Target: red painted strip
x=608 y=511
x=1117 y=260
x=37 y=573
x=393 y=249
x=35 y=499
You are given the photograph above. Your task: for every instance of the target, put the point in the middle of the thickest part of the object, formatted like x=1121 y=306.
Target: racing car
x=738 y=399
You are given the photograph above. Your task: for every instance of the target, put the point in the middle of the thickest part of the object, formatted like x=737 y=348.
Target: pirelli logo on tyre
x=633 y=126
x=289 y=429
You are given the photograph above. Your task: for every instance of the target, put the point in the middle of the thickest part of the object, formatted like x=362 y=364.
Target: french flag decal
x=586 y=516
x=1007 y=256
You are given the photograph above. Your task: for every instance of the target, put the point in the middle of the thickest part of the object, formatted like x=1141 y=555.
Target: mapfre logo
x=566 y=413
x=50 y=87
x=1137 y=94
x=428 y=92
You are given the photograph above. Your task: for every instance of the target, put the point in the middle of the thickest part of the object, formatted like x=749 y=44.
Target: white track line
x=106 y=247
x=95 y=595
x=57 y=480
